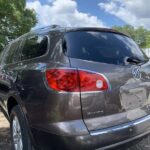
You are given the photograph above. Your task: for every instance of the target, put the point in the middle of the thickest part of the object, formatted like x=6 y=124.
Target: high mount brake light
x=71 y=80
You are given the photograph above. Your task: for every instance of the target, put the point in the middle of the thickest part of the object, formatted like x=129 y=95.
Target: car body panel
x=88 y=120
x=100 y=140
x=127 y=98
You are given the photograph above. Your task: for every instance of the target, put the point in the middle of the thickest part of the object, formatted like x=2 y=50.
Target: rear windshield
x=105 y=47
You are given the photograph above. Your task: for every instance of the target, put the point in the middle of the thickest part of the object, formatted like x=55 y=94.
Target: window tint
x=102 y=47
x=10 y=55
x=34 y=47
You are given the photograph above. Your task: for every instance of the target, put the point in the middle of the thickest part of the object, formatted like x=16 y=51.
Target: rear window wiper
x=135 y=60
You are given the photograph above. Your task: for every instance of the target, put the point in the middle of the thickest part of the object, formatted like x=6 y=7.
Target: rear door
x=126 y=70
x=8 y=73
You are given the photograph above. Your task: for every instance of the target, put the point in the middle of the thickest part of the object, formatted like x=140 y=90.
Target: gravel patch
x=4 y=133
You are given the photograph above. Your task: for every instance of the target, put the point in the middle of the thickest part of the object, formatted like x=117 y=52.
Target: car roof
x=58 y=28
x=95 y=29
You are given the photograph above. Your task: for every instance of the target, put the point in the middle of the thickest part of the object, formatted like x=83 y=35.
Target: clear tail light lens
x=71 y=80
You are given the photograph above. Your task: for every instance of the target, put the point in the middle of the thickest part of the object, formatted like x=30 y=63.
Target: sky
x=91 y=13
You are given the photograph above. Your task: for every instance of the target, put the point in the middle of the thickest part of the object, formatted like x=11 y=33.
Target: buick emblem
x=136 y=73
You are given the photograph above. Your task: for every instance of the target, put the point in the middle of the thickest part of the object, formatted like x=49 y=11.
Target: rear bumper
x=99 y=139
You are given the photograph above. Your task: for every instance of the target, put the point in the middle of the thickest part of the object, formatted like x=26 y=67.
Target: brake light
x=71 y=80
x=63 y=80
x=90 y=81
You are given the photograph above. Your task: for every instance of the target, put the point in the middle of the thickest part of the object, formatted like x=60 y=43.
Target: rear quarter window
x=34 y=46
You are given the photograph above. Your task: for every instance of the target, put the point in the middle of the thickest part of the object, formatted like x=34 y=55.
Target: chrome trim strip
x=124 y=142
x=121 y=127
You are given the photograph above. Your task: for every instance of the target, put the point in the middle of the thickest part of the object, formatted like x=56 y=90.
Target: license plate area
x=133 y=98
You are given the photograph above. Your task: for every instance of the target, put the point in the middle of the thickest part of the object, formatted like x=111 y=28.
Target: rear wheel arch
x=14 y=103
x=26 y=138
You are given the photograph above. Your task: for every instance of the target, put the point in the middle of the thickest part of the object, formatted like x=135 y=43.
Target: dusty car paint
x=77 y=120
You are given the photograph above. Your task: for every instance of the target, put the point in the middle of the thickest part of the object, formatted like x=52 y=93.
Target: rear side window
x=12 y=55
x=105 y=47
x=34 y=46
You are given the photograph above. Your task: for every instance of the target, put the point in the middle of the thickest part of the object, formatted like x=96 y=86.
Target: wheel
x=19 y=131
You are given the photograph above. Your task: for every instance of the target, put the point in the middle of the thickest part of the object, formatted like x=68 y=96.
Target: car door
x=8 y=73
x=30 y=73
x=1 y=73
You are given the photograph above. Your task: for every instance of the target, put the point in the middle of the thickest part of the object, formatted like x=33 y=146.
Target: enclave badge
x=136 y=73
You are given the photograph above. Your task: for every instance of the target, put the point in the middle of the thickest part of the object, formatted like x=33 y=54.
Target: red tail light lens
x=69 y=80
x=63 y=80
x=90 y=81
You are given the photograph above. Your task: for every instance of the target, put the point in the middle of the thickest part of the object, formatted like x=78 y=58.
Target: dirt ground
x=4 y=133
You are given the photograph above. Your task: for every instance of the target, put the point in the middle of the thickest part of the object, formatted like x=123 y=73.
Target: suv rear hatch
x=125 y=68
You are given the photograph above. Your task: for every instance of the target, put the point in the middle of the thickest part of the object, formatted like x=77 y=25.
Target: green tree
x=127 y=29
x=148 y=40
x=140 y=35
x=15 y=20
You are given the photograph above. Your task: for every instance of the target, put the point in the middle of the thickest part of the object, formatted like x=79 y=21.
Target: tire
x=19 y=130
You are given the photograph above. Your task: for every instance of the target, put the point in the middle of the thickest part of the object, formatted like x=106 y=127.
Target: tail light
x=90 y=81
x=63 y=80
x=71 y=80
